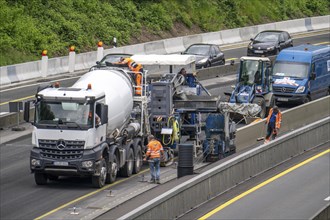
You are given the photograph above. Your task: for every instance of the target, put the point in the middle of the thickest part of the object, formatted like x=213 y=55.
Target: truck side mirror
x=104 y=114
x=313 y=76
x=27 y=111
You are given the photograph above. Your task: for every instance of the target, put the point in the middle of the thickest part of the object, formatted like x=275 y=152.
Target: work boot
x=157 y=181
x=152 y=181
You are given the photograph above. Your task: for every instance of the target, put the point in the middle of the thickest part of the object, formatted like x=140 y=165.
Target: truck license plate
x=283 y=99
x=61 y=163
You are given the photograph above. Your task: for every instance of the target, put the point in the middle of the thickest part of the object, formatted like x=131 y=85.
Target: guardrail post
x=72 y=59
x=16 y=107
x=99 y=50
x=44 y=64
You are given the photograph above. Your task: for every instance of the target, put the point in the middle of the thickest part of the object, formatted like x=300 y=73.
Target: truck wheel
x=40 y=178
x=138 y=160
x=261 y=102
x=99 y=181
x=127 y=170
x=113 y=170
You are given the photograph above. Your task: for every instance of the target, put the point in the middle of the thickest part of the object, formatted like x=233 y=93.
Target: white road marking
x=327 y=199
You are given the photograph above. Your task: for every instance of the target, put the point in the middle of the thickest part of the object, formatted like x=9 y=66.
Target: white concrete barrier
x=26 y=71
x=321 y=22
x=30 y=70
x=191 y=39
x=230 y=36
x=174 y=45
x=264 y=27
x=4 y=75
x=155 y=47
x=292 y=26
x=85 y=60
x=58 y=65
x=212 y=38
x=248 y=32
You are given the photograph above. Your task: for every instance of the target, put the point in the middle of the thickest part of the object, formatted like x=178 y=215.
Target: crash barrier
x=291 y=119
x=31 y=70
x=228 y=174
x=324 y=213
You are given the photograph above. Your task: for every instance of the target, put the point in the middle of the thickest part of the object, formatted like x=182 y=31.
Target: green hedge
x=29 y=26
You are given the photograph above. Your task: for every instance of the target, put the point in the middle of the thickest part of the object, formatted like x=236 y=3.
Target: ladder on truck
x=142 y=99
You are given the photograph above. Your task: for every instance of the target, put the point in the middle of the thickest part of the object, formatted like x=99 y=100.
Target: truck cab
x=301 y=73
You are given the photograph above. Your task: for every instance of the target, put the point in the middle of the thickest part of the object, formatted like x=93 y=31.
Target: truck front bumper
x=85 y=166
x=290 y=98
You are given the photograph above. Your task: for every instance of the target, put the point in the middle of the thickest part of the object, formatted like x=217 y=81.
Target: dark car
x=268 y=43
x=109 y=59
x=206 y=55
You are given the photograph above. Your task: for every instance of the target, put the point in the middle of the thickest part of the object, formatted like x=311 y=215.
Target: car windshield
x=267 y=37
x=198 y=50
x=63 y=113
x=112 y=58
x=289 y=69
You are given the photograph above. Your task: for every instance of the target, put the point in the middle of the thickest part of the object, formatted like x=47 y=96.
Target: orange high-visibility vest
x=154 y=149
x=278 y=120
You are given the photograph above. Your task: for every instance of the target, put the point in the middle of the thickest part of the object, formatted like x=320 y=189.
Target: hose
x=175 y=136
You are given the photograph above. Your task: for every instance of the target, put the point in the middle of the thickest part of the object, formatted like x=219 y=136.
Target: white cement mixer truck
x=95 y=128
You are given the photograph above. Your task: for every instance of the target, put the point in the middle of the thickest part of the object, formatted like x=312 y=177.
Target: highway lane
x=21 y=198
x=234 y=52
x=19 y=192
x=296 y=189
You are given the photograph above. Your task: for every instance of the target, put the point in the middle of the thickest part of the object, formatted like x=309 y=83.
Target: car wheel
x=207 y=65
x=306 y=100
x=223 y=62
x=40 y=178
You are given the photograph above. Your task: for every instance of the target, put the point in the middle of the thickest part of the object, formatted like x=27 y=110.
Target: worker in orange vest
x=137 y=69
x=155 y=149
x=274 y=121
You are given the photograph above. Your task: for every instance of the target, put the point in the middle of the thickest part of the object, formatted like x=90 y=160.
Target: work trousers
x=154 y=165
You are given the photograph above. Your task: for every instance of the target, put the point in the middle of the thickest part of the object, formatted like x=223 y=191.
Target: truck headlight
x=271 y=48
x=87 y=164
x=202 y=61
x=300 y=89
x=35 y=162
x=250 y=46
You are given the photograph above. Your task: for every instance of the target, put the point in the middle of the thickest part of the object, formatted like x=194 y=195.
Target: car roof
x=202 y=44
x=276 y=31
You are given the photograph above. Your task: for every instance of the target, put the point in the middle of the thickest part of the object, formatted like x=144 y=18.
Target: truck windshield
x=250 y=72
x=70 y=114
x=290 y=69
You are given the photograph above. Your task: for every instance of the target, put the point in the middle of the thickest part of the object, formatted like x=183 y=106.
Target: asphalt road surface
x=297 y=194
